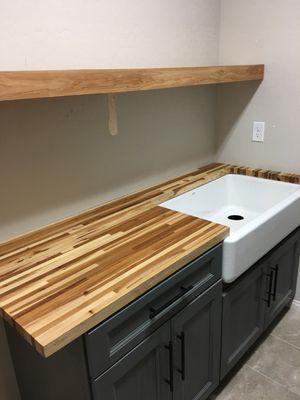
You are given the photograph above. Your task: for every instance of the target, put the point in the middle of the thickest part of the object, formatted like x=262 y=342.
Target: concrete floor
x=272 y=372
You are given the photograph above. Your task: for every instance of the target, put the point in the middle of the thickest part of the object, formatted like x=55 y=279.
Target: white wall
x=56 y=155
x=261 y=31
x=108 y=34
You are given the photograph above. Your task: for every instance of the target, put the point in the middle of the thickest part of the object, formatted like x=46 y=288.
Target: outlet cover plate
x=258 y=134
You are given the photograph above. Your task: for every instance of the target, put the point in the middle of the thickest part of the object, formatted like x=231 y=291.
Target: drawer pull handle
x=155 y=311
x=275 y=269
x=170 y=381
x=181 y=337
x=269 y=292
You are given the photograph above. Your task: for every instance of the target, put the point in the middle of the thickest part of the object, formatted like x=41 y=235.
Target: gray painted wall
x=58 y=158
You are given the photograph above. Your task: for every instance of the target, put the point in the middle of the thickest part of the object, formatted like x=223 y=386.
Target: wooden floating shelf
x=17 y=85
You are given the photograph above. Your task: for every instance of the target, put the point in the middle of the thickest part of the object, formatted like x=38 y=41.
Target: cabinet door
x=112 y=339
x=196 y=332
x=145 y=373
x=243 y=316
x=282 y=272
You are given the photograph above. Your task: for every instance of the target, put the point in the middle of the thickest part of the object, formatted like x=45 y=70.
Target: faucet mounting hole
x=235 y=217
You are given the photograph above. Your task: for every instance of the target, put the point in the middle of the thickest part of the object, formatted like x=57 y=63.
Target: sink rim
x=243 y=247
x=257 y=221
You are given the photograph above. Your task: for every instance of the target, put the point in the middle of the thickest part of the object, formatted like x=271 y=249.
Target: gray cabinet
x=167 y=344
x=179 y=361
x=243 y=316
x=282 y=276
x=163 y=346
x=114 y=338
x=62 y=376
x=196 y=334
x=252 y=302
x=143 y=374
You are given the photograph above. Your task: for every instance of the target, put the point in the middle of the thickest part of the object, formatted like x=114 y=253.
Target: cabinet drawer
x=113 y=338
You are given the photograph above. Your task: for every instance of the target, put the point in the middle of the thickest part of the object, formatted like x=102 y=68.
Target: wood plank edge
x=149 y=79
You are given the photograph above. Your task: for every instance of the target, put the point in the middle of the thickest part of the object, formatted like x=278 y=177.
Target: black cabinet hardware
x=181 y=337
x=275 y=269
x=170 y=381
x=155 y=311
x=269 y=292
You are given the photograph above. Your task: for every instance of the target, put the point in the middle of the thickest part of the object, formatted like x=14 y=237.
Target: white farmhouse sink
x=270 y=211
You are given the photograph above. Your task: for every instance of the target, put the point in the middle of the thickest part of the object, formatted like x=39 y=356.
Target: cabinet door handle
x=170 y=381
x=155 y=311
x=181 y=337
x=269 y=292
x=275 y=269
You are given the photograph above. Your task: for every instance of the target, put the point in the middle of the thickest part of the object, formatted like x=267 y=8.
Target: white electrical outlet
x=258 y=134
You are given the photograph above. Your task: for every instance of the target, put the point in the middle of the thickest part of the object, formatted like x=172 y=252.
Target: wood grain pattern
x=112 y=114
x=60 y=281
x=16 y=85
x=63 y=279
x=265 y=173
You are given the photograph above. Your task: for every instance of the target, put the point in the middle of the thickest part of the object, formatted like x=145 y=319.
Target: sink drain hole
x=235 y=217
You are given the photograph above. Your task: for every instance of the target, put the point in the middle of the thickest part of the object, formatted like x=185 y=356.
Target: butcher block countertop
x=59 y=281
